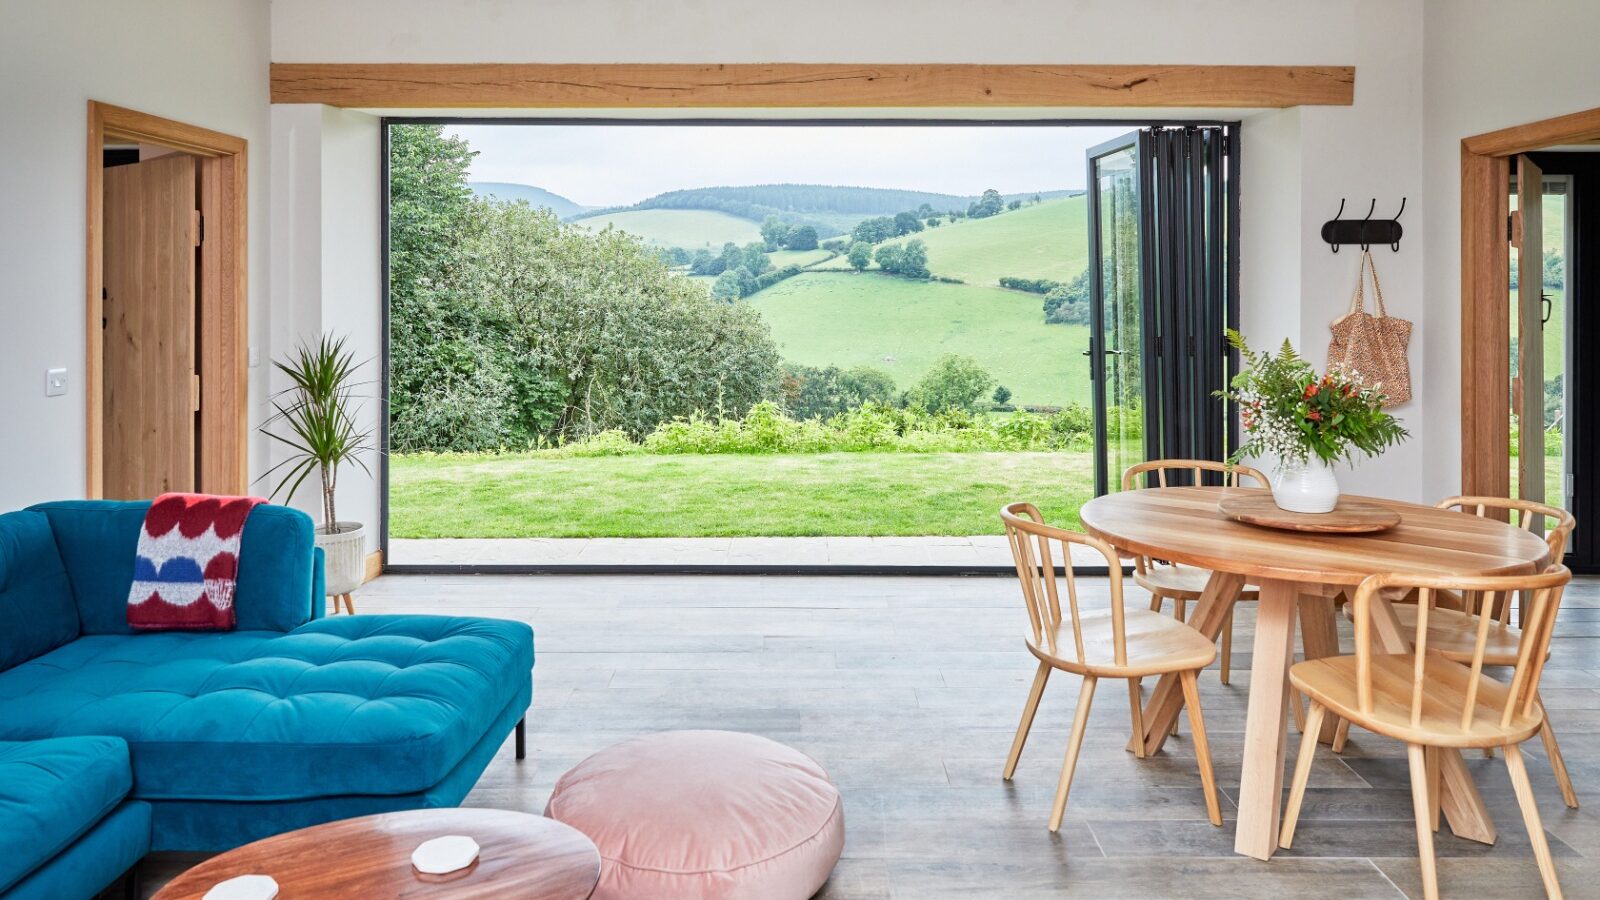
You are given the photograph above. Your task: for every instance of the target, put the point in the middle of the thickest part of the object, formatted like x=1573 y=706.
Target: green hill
x=903 y=326
x=536 y=196
x=1048 y=240
x=690 y=229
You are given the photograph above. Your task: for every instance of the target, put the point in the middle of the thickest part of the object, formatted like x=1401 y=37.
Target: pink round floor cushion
x=704 y=815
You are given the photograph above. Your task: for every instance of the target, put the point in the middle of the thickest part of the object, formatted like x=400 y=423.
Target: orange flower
x=1314 y=416
x=1311 y=390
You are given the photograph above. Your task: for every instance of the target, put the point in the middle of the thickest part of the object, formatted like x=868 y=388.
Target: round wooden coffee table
x=521 y=855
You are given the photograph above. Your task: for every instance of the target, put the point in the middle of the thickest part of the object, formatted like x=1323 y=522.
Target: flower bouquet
x=1306 y=422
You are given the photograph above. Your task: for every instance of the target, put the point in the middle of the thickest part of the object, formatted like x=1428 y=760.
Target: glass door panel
x=1116 y=357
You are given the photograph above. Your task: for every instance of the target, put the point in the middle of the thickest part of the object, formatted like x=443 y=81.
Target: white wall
x=198 y=61
x=1308 y=159
x=1488 y=66
x=326 y=274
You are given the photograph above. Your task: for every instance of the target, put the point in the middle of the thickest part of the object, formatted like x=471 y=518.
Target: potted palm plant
x=1306 y=422
x=315 y=419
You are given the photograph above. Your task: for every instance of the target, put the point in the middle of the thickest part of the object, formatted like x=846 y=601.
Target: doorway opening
x=165 y=373
x=818 y=345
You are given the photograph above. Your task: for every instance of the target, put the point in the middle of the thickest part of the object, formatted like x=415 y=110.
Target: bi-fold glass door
x=1163 y=287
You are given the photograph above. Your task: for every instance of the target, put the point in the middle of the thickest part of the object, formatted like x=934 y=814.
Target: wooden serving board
x=1347 y=517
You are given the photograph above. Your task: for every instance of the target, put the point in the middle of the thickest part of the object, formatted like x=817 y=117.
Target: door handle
x=1548 y=306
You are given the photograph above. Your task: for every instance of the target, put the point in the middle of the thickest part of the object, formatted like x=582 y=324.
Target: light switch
x=55 y=382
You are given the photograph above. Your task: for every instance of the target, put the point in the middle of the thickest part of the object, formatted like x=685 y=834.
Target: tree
x=775 y=232
x=1002 y=395
x=727 y=287
x=955 y=382
x=991 y=203
x=1036 y=199
x=1068 y=304
x=860 y=255
x=1554 y=268
x=1015 y=204
x=604 y=335
x=906 y=223
x=909 y=260
x=801 y=237
x=875 y=230
x=755 y=258
x=732 y=256
x=810 y=392
x=935 y=222
x=888 y=258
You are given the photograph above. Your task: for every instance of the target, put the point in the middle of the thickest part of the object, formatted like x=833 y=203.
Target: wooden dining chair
x=1182 y=584
x=1430 y=700
x=1454 y=623
x=1116 y=642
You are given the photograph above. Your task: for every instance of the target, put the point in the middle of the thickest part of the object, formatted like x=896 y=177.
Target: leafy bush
x=860 y=255
x=811 y=392
x=1068 y=304
x=1031 y=285
x=954 y=382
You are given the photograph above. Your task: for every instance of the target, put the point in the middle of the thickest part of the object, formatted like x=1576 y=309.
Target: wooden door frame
x=1485 y=296
x=223 y=323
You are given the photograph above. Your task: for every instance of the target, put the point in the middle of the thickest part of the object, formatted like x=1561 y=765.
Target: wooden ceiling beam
x=805 y=85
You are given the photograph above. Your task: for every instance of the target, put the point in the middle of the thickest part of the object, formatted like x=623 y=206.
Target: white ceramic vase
x=346 y=556
x=1305 y=487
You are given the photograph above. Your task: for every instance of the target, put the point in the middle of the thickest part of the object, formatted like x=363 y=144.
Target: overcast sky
x=617 y=165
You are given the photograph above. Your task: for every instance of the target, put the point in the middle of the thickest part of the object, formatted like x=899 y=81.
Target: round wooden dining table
x=1300 y=572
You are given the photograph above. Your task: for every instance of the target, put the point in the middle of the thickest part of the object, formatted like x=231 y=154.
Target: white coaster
x=443 y=855
x=245 y=887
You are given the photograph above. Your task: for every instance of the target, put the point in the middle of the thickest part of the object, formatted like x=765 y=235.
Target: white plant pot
x=1305 y=487
x=346 y=550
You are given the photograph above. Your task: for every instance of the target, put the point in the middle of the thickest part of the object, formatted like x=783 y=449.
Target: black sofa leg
x=130 y=883
x=522 y=738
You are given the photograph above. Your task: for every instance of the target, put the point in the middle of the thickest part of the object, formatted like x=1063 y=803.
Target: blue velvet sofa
x=291 y=720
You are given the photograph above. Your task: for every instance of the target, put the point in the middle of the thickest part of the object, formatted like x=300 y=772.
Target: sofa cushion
x=51 y=793
x=37 y=614
x=98 y=540
x=351 y=705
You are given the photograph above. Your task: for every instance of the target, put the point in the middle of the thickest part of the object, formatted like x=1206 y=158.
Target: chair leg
x=1530 y=816
x=1202 y=749
x=1155 y=602
x=1302 y=774
x=1227 y=646
x=1435 y=786
x=1298 y=710
x=1557 y=763
x=1135 y=703
x=1422 y=808
x=1180 y=608
x=1028 y=709
x=1341 y=734
x=1080 y=720
x=522 y=738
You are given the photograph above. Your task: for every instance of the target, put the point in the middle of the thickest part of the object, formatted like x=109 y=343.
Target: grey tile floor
x=908 y=691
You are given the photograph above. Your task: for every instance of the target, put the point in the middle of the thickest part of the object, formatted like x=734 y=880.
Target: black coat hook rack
x=1365 y=231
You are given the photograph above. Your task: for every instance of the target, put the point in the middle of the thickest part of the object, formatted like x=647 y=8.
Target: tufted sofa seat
x=355 y=705
x=289 y=721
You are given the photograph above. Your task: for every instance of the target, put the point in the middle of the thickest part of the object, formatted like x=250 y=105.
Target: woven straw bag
x=1373 y=346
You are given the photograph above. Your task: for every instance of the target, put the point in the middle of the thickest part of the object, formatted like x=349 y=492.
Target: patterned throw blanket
x=188 y=563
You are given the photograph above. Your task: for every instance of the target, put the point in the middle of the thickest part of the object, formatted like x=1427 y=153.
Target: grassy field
x=781 y=258
x=903 y=326
x=690 y=229
x=826 y=494
x=1049 y=240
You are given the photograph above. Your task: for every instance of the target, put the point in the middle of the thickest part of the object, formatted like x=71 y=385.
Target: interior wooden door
x=150 y=388
x=1528 y=388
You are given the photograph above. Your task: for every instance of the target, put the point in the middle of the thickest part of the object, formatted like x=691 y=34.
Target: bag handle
x=1358 y=300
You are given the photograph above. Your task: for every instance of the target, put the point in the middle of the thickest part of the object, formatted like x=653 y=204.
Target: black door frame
x=385 y=122
x=1583 y=429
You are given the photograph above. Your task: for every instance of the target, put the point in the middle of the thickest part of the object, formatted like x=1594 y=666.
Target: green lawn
x=903 y=326
x=825 y=494
x=690 y=229
x=1049 y=240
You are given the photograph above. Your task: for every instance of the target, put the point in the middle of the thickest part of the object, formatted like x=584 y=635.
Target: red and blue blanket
x=188 y=563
